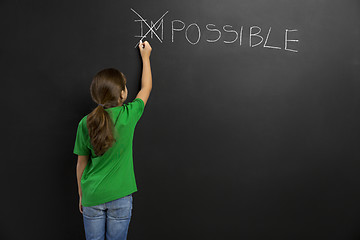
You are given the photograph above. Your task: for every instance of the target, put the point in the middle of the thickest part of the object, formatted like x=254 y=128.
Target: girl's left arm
x=81 y=164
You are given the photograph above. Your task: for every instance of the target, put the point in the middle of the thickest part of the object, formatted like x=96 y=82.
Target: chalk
x=141 y=42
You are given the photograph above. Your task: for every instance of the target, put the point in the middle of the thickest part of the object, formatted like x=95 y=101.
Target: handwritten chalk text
x=227 y=34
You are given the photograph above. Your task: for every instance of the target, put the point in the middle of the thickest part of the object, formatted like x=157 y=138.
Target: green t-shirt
x=110 y=176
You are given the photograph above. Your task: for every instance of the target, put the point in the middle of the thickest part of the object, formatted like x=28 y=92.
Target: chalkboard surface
x=251 y=130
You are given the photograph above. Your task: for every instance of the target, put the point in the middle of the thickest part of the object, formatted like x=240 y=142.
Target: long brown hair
x=105 y=90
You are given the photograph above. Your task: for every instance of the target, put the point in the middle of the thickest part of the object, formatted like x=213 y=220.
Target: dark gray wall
x=236 y=142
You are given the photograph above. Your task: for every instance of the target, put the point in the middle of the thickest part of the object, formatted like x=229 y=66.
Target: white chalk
x=141 y=42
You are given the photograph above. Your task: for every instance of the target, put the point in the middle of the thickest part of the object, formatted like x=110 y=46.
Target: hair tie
x=101 y=104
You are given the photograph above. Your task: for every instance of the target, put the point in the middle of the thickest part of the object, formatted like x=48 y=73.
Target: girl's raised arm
x=146 y=78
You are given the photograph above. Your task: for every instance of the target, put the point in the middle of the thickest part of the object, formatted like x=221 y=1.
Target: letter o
x=199 y=35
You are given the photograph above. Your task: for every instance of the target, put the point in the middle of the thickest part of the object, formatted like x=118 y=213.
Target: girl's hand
x=80 y=206
x=145 y=49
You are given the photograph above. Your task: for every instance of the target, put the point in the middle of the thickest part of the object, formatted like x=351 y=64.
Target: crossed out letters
x=151 y=27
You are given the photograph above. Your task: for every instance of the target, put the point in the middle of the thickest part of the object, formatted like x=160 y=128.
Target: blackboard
x=251 y=130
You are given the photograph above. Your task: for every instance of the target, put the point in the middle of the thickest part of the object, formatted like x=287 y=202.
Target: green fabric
x=110 y=176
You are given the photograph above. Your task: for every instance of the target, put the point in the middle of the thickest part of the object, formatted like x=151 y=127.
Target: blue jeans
x=111 y=219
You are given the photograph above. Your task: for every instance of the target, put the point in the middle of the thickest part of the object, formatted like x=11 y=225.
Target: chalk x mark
x=150 y=28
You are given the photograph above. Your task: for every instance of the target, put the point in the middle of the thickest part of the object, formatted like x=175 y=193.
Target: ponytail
x=105 y=90
x=100 y=128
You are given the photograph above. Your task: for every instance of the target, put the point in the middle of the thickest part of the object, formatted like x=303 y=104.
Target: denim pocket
x=93 y=211
x=120 y=208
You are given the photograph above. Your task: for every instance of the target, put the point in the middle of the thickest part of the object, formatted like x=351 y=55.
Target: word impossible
x=179 y=28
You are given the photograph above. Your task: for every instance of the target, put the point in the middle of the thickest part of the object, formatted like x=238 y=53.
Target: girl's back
x=111 y=175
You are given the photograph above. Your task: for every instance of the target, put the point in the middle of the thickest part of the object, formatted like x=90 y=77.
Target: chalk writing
x=266 y=40
x=150 y=28
x=255 y=35
x=212 y=30
x=199 y=33
x=229 y=34
x=230 y=31
x=292 y=40
x=173 y=29
x=153 y=26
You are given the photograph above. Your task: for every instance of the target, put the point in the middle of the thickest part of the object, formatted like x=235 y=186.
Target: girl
x=105 y=136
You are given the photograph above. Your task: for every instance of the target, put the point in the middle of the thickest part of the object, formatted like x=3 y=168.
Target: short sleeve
x=136 y=108
x=82 y=139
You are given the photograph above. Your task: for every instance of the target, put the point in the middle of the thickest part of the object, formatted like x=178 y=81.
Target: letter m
x=154 y=28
